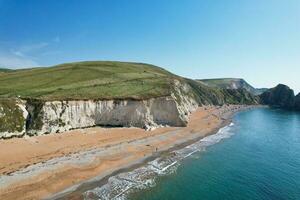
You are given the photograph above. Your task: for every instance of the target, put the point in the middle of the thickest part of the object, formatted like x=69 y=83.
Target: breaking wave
x=120 y=185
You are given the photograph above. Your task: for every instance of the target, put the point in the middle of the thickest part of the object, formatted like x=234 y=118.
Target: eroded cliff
x=13 y=115
x=36 y=117
x=84 y=94
x=59 y=116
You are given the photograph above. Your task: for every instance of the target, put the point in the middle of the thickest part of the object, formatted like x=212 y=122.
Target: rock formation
x=36 y=117
x=13 y=115
x=233 y=84
x=59 y=116
x=280 y=96
x=297 y=102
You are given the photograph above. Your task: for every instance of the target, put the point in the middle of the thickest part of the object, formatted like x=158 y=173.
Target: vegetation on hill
x=100 y=81
x=4 y=70
x=110 y=80
x=87 y=80
x=232 y=83
x=220 y=96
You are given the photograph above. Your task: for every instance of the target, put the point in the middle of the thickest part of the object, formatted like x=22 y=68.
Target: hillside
x=84 y=94
x=232 y=83
x=219 y=96
x=4 y=70
x=87 y=80
x=108 y=80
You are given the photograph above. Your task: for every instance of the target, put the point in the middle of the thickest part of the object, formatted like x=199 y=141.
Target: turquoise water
x=261 y=160
x=255 y=157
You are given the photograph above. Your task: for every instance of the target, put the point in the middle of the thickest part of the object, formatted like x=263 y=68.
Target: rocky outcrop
x=12 y=118
x=233 y=84
x=239 y=96
x=59 y=116
x=297 y=102
x=280 y=96
x=219 y=96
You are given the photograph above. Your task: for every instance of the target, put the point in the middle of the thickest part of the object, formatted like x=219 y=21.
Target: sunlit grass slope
x=87 y=80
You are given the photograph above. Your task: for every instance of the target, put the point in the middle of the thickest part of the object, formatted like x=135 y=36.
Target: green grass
x=220 y=96
x=87 y=80
x=99 y=80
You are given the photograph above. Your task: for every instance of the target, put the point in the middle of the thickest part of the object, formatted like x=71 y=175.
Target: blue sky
x=258 y=40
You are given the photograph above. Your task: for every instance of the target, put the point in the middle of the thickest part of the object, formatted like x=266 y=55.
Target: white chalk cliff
x=59 y=116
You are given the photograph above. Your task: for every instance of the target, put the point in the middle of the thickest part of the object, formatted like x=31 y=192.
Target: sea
x=257 y=156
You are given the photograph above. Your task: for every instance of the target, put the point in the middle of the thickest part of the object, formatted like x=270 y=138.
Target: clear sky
x=258 y=40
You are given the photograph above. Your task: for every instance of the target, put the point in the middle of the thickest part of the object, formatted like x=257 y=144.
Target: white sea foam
x=120 y=185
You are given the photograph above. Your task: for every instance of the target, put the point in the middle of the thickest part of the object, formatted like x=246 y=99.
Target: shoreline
x=76 y=190
x=223 y=116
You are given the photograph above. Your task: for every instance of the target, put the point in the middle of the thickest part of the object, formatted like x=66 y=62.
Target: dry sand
x=37 y=167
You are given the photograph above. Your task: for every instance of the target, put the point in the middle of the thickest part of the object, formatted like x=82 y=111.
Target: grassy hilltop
x=87 y=80
x=110 y=80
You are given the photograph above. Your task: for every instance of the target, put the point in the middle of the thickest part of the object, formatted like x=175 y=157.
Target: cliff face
x=233 y=84
x=297 y=102
x=173 y=110
x=279 y=96
x=12 y=118
x=36 y=117
x=239 y=96
x=59 y=116
x=95 y=93
x=219 y=96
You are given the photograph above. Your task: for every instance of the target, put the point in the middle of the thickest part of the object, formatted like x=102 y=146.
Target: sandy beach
x=38 y=167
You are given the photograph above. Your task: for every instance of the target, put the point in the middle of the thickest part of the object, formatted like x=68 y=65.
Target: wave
x=120 y=185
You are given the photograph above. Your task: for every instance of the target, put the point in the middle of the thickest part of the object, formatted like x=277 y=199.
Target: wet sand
x=38 y=167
